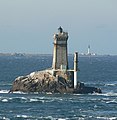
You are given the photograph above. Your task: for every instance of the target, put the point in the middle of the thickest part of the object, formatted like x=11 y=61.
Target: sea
x=96 y=71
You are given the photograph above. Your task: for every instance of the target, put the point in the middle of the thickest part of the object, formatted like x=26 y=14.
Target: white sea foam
x=4 y=118
x=61 y=118
x=112 y=101
x=105 y=94
x=4 y=100
x=4 y=91
x=23 y=98
x=6 y=84
x=32 y=74
x=52 y=118
x=49 y=93
x=23 y=116
x=95 y=106
x=19 y=92
x=77 y=94
x=33 y=100
x=105 y=99
x=107 y=118
x=110 y=85
x=10 y=98
x=111 y=94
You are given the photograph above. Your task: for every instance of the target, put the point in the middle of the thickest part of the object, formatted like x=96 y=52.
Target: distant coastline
x=34 y=55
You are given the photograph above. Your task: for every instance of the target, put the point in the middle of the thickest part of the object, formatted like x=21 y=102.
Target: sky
x=28 y=26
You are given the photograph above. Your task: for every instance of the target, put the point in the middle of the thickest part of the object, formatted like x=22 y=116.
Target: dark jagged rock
x=43 y=81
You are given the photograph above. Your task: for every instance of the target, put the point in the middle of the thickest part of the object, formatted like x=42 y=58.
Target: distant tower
x=88 y=52
x=75 y=69
x=60 y=53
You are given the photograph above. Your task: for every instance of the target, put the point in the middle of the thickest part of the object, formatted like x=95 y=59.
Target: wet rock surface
x=43 y=81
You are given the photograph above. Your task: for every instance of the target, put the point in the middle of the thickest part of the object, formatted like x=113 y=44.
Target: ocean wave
x=16 y=92
x=112 y=102
x=105 y=94
x=44 y=99
x=110 y=94
x=29 y=99
x=19 y=92
x=4 y=118
x=35 y=100
x=77 y=94
x=4 y=91
x=111 y=84
x=4 y=100
x=24 y=116
x=6 y=84
x=107 y=118
x=40 y=118
x=57 y=118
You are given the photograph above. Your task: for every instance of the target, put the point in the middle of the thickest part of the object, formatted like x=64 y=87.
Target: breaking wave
x=4 y=91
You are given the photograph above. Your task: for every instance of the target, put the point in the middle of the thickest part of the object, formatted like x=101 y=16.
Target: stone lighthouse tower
x=60 y=53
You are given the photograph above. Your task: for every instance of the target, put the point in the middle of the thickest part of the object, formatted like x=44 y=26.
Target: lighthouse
x=60 y=53
x=60 y=58
x=88 y=51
